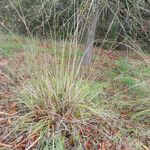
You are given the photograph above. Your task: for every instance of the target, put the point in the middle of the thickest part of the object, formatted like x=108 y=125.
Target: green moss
x=9 y=49
x=10 y=45
x=145 y=71
x=129 y=81
x=123 y=65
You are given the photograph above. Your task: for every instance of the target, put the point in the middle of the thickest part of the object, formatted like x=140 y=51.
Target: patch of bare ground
x=7 y=83
x=3 y=62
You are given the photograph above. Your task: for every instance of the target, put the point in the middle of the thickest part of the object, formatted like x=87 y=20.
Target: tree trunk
x=90 y=37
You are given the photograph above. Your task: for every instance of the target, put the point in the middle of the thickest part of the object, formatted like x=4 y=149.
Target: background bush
x=119 y=21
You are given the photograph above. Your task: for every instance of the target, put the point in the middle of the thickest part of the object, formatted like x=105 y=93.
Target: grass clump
x=123 y=65
x=56 y=101
x=61 y=110
x=61 y=106
x=128 y=81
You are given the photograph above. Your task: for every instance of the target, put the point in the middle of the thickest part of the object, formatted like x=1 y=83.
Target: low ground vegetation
x=50 y=101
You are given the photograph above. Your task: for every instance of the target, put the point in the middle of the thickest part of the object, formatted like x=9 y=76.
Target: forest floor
x=122 y=78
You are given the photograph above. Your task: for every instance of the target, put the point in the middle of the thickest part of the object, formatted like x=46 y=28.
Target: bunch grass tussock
x=59 y=104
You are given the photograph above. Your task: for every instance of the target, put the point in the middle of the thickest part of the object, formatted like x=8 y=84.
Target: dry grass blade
x=7 y=114
x=145 y=147
x=34 y=143
x=2 y=145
